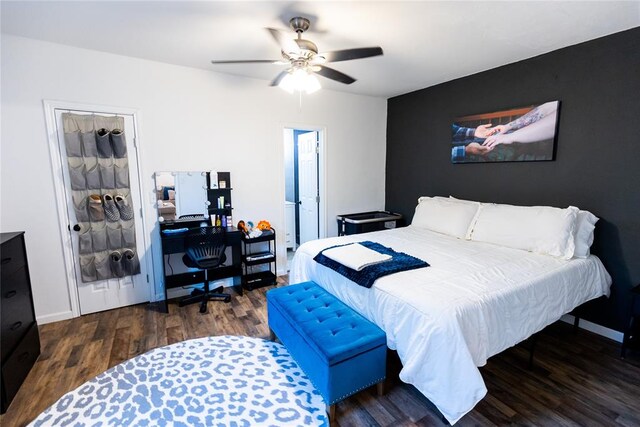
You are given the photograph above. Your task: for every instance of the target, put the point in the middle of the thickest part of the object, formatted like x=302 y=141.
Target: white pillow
x=540 y=229
x=585 y=225
x=473 y=221
x=444 y=216
x=461 y=200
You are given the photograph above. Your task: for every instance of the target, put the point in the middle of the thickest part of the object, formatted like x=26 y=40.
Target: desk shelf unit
x=259 y=251
x=213 y=195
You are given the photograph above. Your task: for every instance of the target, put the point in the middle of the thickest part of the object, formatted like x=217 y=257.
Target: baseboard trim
x=54 y=317
x=595 y=328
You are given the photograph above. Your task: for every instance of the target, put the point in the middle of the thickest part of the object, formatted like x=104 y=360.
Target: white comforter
x=474 y=301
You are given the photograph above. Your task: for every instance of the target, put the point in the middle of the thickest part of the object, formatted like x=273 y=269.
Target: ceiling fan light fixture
x=313 y=84
x=304 y=61
x=300 y=80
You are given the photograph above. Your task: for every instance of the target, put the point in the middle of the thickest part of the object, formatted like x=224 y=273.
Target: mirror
x=181 y=193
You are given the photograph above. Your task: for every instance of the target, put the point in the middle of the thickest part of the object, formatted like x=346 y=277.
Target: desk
x=174 y=244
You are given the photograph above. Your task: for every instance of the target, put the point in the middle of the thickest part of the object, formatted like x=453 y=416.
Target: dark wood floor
x=578 y=379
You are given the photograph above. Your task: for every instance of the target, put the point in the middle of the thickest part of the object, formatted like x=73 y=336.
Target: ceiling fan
x=304 y=61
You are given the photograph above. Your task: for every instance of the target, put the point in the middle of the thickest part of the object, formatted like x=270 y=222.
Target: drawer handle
x=6 y=260
x=16 y=326
x=10 y=294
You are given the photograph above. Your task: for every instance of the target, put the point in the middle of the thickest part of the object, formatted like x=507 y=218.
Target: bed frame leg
x=380 y=388
x=576 y=324
x=532 y=349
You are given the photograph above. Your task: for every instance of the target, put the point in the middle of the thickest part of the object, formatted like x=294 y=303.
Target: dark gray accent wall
x=597 y=164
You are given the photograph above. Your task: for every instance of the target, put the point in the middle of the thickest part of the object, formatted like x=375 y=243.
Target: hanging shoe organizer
x=99 y=177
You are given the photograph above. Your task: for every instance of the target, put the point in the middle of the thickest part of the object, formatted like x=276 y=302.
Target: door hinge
x=317 y=199
x=140 y=212
x=317 y=148
x=135 y=142
x=147 y=278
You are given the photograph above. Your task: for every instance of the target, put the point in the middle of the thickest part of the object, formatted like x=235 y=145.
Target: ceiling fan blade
x=336 y=75
x=279 y=78
x=348 y=54
x=287 y=44
x=249 y=61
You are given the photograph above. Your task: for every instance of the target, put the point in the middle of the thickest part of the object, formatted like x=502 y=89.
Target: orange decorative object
x=264 y=225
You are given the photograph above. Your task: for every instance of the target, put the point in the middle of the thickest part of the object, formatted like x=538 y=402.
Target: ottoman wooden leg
x=331 y=412
x=380 y=388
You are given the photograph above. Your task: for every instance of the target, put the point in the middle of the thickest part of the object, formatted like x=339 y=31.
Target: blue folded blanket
x=365 y=277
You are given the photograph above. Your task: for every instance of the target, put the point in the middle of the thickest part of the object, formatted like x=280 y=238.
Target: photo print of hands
x=521 y=134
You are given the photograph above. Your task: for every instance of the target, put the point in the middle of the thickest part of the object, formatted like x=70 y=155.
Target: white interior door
x=308 y=185
x=119 y=292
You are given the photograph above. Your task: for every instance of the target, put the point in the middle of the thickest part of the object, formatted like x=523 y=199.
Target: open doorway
x=303 y=178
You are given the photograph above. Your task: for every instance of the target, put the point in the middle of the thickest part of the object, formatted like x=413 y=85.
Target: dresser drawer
x=12 y=257
x=16 y=368
x=17 y=312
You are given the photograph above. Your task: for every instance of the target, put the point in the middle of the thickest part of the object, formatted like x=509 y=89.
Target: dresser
x=20 y=342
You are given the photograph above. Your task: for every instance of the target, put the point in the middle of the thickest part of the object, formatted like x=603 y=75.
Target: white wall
x=289 y=168
x=190 y=120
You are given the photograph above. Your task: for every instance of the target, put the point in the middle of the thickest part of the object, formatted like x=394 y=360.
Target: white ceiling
x=425 y=43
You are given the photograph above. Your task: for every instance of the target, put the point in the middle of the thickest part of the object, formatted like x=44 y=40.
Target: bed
x=475 y=300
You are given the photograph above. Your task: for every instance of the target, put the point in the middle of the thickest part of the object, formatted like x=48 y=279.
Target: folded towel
x=368 y=275
x=355 y=256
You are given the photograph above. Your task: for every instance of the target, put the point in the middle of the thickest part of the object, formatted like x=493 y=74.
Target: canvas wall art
x=515 y=135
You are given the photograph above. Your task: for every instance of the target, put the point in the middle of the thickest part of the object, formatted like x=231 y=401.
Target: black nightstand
x=632 y=333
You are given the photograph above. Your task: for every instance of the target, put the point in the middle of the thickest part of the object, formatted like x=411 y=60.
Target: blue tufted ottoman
x=339 y=350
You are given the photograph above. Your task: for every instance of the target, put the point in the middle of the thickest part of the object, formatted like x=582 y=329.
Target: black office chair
x=205 y=250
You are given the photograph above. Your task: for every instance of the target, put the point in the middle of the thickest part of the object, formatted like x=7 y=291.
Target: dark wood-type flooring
x=578 y=379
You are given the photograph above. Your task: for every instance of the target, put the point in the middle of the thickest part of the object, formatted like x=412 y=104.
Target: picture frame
x=521 y=134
